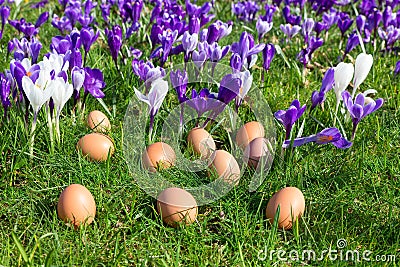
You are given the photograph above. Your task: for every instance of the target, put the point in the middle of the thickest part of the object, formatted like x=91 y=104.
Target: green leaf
x=20 y=247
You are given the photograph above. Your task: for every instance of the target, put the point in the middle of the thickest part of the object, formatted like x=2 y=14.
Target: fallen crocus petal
x=329 y=135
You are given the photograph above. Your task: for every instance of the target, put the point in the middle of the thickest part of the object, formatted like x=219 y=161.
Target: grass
x=350 y=194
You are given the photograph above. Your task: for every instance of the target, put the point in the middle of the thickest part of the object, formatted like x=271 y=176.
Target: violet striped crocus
x=114 y=40
x=268 y=55
x=359 y=109
x=290 y=116
x=289 y=30
x=5 y=90
x=154 y=99
x=263 y=27
x=88 y=37
x=203 y=101
x=189 y=43
x=326 y=136
x=318 y=97
x=4 y=14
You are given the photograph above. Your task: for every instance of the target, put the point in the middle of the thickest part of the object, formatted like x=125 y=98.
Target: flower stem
x=336 y=111
x=353 y=135
x=58 y=136
x=50 y=125
x=32 y=134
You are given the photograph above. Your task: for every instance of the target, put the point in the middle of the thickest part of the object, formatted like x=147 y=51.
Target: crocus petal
x=343 y=74
x=360 y=99
x=142 y=97
x=362 y=67
x=357 y=111
x=342 y=143
x=300 y=141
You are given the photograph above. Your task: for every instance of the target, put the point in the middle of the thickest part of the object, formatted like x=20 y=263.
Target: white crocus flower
x=362 y=67
x=343 y=73
x=54 y=62
x=37 y=93
x=157 y=93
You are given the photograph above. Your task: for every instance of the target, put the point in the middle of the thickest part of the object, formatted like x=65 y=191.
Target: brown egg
x=96 y=146
x=248 y=133
x=226 y=166
x=158 y=155
x=202 y=142
x=76 y=205
x=176 y=205
x=292 y=205
x=98 y=121
x=258 y=151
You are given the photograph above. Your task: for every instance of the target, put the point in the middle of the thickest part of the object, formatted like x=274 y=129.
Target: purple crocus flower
x=63 y=24
x=94 y=82
x=78 y=78
x=179 y=81
x=229 y=88
x=318 y=97
x=88 y=37
x=352 y=42
x=263 y=27
x=5 y=89
x=194 y=25
x=42 y=19
x=306 y=28
x=236 y=62
x=114 y=40
x=268 y=55
x=216 y=53
x=203 y=101
x=189 y=43
x=4 y=14
x=199 y=58
x=290 y=116
x=289 y=18
x=326 y=136
x=147 y=72
x=167 y=39
x=344 y=23
x=359 y=109
x=247 y=49
x=289 y=30
x=397 y=68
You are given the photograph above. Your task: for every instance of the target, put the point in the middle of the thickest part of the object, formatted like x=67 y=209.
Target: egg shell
x=258 y=151
x=158 y=155
x=292 y=205
x=76 y=205
x=202 y=142
x=98 y=121
x=96 y=146
x=226 y=166
x=248 y=132
x=176 y=205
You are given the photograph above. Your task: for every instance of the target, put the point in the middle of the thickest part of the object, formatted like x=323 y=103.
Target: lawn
x=351 y=195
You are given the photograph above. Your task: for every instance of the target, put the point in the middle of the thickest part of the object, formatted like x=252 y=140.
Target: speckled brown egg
x=158 y=155
x=248 y=132
x=76 y=205
x=202 y=142
x=258 y=151
x=226 y=166
x=98 y=121
x=292 y=205
x=176 y=206
x=96 y=146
